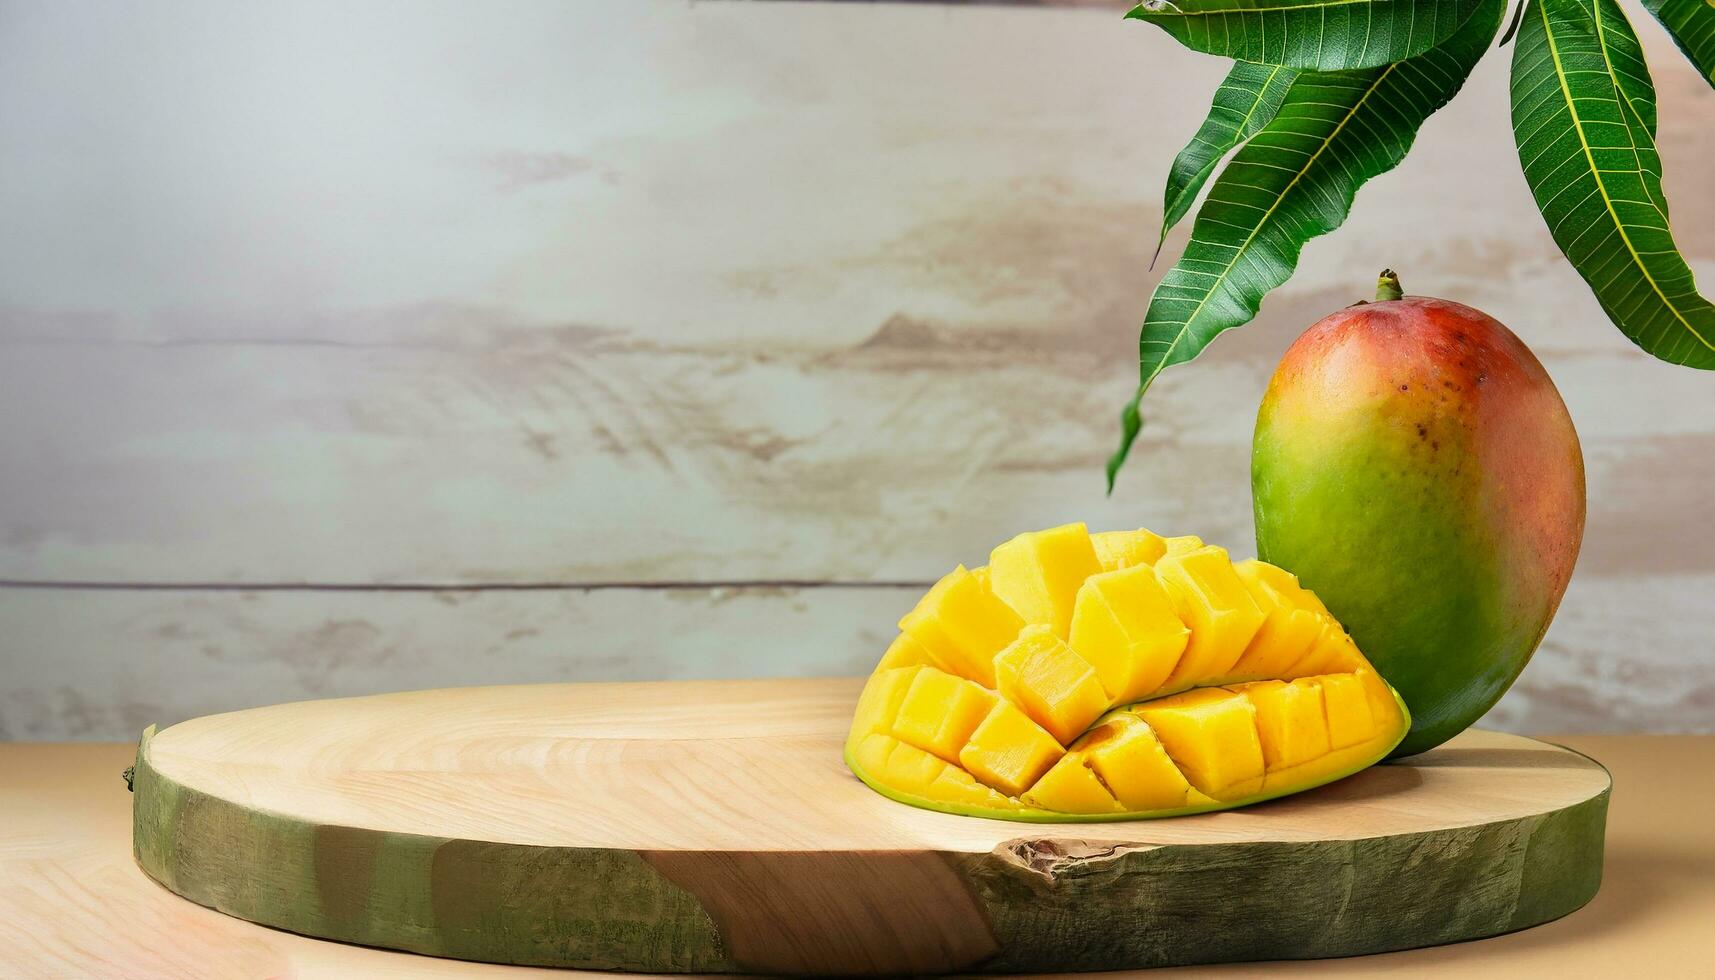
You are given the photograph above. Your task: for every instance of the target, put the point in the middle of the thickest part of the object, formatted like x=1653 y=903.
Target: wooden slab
x=711 y=826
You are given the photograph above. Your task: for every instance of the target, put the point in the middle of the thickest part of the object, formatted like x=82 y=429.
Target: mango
x=1293 y=622
x=1009 y=751
x=1211 y=599
x=1415 y=466
x=1057 y=688
x=1123 y=623
x=1038 y=574
x=962 y=625
x=1180 y=682
x=1124 y=549
x=939 y=713
x=1131 y=762
x=1291 y=721
x=1212 y=734
x=1072 y=787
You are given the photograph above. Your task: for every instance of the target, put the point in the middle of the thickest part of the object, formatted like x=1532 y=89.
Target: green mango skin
x=1416 y=468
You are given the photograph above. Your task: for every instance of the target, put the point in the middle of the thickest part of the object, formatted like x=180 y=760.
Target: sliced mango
x=1211 y=733
x=1057 y=688
x=1291 y=721
x=1181 y=544
x=879 y=703
x=905 y=651
x=1281 y=582
x=1350 y=720
x=1211 y=600
x=1132 y=763
x=1071 y=786
x=917 y=776
x=1123 y=623
x=1113 y=676
x=1290 y=626
x=1009 y=751
x=962 y=625
x=1333 y=652
x=1038 y=574
x=1126 y=549
x=939 y=712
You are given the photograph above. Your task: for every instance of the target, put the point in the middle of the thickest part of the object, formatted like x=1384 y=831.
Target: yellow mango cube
x=939 y=712
x=905 y=651
x=1129 y=758
x=1281 y=581
x=1058 y=689
x=1351 y=719
x=1180 y=544
x=1125 y=549
x=1332 y=653
x=1009 y=751
x=908 y=769
x=882 y=694
x=1123 y=623
x=1209 y=598
x=962 y=625
x=1038 y=573
x=958 y=786
x=871 y=752
x=903 y=766
x=1071 y=787
x=1212 y=734
x=1385 y=712
x=1289 y=627
x=1291 y=721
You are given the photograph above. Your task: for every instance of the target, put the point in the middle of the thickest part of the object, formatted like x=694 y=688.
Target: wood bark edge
x=1048 y=903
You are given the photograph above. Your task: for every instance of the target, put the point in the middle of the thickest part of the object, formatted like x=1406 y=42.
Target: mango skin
x=1416 y=467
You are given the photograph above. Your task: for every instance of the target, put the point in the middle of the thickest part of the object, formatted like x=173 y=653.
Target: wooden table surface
x=74 y=904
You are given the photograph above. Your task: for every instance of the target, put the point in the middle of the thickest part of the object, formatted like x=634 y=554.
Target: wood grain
x=77 y=905
x=711 y=827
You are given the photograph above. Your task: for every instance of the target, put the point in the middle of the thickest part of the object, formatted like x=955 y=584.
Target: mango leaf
x=1625 y=61
x=1293 y=181
x=1246 y=102
x=1692 y=24
x=1325 y=35
x=1582 y=119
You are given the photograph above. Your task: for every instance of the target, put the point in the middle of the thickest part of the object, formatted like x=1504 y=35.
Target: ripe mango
x=1415 y=466
x=1116 y=676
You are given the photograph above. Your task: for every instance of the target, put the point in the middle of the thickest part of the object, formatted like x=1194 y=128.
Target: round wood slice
x=712 y=827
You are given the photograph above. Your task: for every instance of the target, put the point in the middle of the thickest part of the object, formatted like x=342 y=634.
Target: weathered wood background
x=350 y=348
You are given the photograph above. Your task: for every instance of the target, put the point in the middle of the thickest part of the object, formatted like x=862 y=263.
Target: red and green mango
x=1415 y=466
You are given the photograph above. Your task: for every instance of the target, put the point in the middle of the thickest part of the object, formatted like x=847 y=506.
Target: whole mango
x=1416 y=468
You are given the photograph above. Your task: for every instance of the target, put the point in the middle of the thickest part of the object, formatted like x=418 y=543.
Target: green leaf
x=1692 y=24
x=1624 y=59
x=1325 y=35
x=1246 y=102
x=1293 y=181
x=1582 y=119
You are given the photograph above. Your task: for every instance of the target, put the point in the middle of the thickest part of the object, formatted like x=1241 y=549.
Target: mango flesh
x=1415 y=466
x=1123 y=687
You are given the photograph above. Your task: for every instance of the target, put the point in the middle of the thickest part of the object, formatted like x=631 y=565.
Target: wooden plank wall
x=357 y=348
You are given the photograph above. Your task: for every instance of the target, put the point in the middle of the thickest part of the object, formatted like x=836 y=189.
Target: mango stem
x=1387 y=287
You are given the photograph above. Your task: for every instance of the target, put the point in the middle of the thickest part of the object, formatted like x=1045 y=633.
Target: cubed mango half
x=1113 y=676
